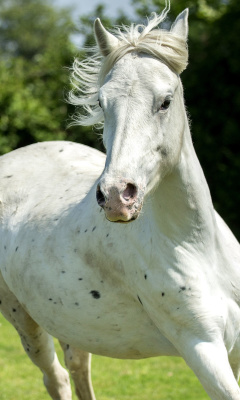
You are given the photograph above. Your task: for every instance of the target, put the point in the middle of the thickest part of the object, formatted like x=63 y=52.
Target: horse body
x=126 y=279
x=61 y=259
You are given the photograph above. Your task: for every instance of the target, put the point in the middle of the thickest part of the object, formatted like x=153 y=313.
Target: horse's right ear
x=180 y=26
x=105 y=40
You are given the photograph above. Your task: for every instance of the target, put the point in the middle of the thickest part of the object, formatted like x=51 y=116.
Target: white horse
x=146 y=269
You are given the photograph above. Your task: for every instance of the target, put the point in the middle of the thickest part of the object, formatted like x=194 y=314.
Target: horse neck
x=182 y=206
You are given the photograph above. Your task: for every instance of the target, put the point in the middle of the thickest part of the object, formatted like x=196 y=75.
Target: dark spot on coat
x=76 y=304
x=60 y=151
x=93 y=229
x=140 y=301
x=8 y=176
x=5 y=247
x=182 y=288
x=14 y=310
x=80 y=279
x=163 y=294
x=107 y=234
x=37 y=351
x=0 y=301
x=50 y=299
x=145 y=276
x=67 y=346
x=56 y=219
x=95 y=294
x=63 y=272
x=164 y=152
x=85 y=230
x=16 y=248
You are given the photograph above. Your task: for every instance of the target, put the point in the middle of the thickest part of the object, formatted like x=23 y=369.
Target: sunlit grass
x=162 y=378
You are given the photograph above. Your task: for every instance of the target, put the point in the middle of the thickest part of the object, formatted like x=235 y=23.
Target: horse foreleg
x=38 y=345
x=210 y=363
x=234 y=360
x=79 y=364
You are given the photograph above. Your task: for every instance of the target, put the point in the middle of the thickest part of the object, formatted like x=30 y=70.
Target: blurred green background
x=36 y=44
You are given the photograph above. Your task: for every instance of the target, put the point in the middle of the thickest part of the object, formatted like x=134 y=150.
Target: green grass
x=162 y=378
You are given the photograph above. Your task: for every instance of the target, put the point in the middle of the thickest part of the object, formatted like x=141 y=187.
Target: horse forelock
x=89 y=75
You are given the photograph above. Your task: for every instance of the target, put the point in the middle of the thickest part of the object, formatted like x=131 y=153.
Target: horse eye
x=165 y=105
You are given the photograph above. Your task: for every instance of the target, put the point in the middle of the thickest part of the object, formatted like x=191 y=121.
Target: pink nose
x=120 y=202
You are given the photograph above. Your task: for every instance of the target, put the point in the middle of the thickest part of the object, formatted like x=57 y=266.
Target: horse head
x=142 y=103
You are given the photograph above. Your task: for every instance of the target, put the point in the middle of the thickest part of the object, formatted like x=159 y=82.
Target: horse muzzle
x=122 y=202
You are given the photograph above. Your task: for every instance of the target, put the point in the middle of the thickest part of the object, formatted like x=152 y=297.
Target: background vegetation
x=36 y=45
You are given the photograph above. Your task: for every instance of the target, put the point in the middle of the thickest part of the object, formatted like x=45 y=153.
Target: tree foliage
x=36 y=45
x=212 y=96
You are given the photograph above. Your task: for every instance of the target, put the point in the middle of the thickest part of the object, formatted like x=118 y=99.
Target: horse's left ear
x=180 y=26
x=105 y=40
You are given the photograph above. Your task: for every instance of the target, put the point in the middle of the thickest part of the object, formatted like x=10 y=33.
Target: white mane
x=88 y=75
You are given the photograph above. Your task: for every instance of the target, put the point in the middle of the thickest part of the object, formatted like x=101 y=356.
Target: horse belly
x=84 y=300
x=90 y=314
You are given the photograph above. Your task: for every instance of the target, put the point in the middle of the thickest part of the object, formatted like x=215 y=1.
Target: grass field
x=163 y=378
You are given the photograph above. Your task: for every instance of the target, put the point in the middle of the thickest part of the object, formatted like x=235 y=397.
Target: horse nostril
x=130 y=192
x=100 y=197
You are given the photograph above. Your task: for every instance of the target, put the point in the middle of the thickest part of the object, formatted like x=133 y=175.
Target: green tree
x=35 y=46
x=212 y=96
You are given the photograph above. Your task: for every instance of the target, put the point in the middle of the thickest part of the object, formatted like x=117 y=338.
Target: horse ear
x=105 y=40
x=180 y=26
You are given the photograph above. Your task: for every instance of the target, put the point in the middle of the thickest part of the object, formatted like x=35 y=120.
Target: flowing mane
x=88 y=75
